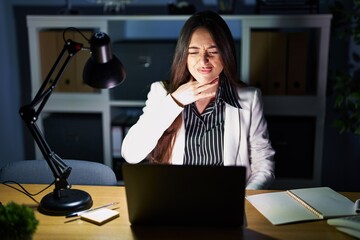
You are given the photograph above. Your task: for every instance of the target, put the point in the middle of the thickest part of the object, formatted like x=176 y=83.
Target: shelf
x=125 y=31
x=127 y=103
x=292 y=105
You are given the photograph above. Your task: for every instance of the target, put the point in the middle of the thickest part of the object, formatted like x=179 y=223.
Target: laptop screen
x=185 y=195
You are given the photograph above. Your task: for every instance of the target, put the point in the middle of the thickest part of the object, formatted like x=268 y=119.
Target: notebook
x=180 y=195
x=305 y=204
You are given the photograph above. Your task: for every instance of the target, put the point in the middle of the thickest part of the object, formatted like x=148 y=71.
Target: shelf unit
x=165 y=27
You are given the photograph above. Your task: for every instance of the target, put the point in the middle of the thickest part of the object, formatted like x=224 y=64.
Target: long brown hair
x=180 y=74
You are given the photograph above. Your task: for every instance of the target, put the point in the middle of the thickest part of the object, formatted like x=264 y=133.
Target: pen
x=89 y=210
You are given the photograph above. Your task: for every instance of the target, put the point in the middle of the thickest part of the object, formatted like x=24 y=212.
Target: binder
x=277 y=57
x=278 y=62
x=52 y=43
x=297 y=63
x=268 y=61
x=117 y=137
x=258 y=60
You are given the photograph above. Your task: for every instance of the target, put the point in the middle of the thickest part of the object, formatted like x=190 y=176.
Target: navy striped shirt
x=204 y=133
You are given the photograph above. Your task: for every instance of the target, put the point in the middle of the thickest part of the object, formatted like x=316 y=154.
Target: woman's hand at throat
x=193 y=91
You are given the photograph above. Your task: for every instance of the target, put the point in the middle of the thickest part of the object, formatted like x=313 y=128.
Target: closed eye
x=213 y=52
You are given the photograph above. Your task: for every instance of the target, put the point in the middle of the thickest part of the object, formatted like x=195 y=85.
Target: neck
x=202 y=104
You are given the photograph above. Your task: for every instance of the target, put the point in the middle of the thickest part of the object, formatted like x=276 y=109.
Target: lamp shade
x=103 y=69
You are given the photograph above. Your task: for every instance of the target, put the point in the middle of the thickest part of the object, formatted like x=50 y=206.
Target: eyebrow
x=195 y=48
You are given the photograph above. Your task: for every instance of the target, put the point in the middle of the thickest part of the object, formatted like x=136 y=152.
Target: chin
x=205 y=79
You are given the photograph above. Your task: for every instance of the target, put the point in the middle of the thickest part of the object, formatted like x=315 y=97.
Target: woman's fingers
x=193 y=91
x=208 y=86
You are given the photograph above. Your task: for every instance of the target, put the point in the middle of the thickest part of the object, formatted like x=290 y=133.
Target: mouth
x=205 y=70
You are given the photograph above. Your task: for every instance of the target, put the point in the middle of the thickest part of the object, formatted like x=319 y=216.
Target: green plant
x=347 y=103
x=17 y=222
x=346 y=84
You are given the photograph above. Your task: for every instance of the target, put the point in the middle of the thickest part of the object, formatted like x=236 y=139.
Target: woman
x=205 y=115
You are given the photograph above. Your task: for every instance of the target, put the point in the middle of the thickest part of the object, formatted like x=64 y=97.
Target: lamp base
x=71 y=200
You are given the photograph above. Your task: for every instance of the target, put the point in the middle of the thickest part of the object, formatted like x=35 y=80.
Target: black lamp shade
x=104 y=75
x=102 y=70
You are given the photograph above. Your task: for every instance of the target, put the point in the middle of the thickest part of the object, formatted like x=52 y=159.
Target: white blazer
x=246 y=141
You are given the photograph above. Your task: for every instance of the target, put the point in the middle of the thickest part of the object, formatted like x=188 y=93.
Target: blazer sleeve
x=260 y=150
x=159 y=112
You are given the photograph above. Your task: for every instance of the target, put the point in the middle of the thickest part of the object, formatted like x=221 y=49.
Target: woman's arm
x=159 y=112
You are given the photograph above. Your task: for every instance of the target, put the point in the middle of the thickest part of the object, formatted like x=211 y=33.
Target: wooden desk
x=258 y=227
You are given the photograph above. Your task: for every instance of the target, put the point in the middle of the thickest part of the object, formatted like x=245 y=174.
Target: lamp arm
x=29 y=113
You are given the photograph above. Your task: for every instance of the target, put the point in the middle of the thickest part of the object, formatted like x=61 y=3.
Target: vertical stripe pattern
x=204 y=134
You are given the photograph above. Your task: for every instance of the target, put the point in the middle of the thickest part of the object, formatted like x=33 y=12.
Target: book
x=305 y=204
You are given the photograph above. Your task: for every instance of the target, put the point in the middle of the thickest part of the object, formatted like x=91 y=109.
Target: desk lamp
x=102 y=70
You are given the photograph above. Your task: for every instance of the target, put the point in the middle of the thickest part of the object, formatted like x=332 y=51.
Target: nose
x=204 y=57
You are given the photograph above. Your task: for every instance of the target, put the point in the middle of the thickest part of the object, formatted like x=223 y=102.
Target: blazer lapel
x=232 y=134
x=177 y=157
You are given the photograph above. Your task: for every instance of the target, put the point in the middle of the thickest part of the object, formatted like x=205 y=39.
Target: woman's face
x=204 y=61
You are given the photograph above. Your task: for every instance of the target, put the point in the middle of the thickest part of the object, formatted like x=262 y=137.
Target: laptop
x=183 y=195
